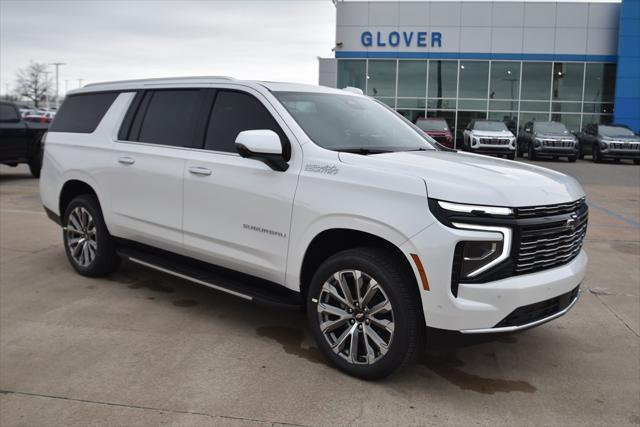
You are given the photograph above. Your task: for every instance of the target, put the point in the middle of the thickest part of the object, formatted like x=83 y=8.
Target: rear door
x=13 y=133
x=148 y=164
x=237 y=211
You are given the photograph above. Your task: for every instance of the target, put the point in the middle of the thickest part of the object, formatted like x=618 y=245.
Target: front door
x=237 y=211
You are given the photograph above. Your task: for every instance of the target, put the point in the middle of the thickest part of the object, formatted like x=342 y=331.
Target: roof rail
x=161 y=79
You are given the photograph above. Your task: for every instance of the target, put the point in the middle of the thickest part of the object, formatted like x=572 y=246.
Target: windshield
x=615 y=131
x=352 y=123
x=490 y=126
x=550 y=127
x=433 y=125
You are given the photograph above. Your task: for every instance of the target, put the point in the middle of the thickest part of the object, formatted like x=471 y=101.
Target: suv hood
x=476 y=179
x=492 y=134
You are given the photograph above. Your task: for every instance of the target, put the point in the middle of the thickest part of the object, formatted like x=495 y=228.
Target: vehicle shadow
x=14 y=175
x=288 y=329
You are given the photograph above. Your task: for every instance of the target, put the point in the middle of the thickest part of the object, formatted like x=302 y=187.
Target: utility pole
x=46 y=92
x=57 y=65
x=80 y=82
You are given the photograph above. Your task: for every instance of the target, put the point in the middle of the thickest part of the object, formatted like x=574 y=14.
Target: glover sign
x=401 y=38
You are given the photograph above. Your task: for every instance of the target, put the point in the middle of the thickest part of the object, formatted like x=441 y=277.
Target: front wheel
x=87 y=242
x=636 y=161
x=364 y=312
x=572 y=159
x=511 y=156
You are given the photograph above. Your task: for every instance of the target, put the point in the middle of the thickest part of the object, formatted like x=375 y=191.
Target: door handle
x=126 y=160
x=197 y=170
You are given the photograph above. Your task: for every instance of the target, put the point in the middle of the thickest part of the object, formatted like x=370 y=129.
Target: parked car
x=609 y=142
x=306 y=196
x=40 y=116
x=437 y=129
x=489 y=137
x=20 y=142
x=551 y=139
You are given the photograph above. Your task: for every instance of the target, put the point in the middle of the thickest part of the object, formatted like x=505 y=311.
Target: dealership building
x=576 y=63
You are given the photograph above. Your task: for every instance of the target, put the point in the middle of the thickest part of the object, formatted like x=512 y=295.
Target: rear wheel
x=364 y=313
x=35 y=162
x=580 y=153
x=596 y=154
x=87 y=242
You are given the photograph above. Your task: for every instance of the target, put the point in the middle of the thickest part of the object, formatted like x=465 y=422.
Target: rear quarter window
x=82 y=113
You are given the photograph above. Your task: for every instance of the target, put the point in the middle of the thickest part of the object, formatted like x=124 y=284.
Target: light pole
x=57 y=65
x=66 y=87
x=80 y=82
x=46 y=91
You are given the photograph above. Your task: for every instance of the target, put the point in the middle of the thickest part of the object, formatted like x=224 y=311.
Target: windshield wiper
x=363 y=151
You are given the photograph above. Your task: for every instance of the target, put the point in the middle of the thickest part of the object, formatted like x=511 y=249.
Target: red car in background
x=437 y=129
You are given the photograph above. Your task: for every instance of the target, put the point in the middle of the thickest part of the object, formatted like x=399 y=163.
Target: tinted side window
x=8 y=113
x=234 y=112
x=168 y=119
x=82 y=113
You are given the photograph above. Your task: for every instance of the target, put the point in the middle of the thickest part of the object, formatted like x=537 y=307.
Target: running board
x=230 y=282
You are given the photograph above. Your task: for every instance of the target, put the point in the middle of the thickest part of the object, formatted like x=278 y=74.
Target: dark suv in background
x=609 y=142
x=20 y=141
x=551 y=139
x=437 y=129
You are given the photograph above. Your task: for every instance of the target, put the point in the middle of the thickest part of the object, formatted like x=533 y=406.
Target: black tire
x=580 y=153
x=511 y=156
x=105 y=260
x=35 y=163
x=532 y=153
x=399 y=288
x=636 y=161
x=616 y=160
x=596 y=154
x=572 y=159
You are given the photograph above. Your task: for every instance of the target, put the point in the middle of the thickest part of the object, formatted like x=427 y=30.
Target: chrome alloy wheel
x=356 y=317
x=81 y=236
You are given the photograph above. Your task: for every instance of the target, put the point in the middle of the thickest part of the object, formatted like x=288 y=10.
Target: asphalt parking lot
x=144 y=348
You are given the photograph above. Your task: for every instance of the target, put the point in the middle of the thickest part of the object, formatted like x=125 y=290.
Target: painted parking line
x=632 y=223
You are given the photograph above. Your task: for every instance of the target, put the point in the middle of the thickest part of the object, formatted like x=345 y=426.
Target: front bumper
x=620 y=154
x=556 y=151
x=480 y=307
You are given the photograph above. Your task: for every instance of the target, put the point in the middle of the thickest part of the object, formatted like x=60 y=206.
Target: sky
x=103 y=40
x=116 y=40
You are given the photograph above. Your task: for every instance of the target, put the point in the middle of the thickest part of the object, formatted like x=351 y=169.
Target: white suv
x=489 y=137
x=304 y=196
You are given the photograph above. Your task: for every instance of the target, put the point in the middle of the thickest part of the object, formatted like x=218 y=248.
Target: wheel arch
x=71 y=189
x=331 y=241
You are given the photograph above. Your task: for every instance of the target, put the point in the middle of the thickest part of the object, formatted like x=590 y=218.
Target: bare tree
x=34 y=83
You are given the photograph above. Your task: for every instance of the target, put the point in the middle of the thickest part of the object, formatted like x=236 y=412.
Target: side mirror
x=263 y=145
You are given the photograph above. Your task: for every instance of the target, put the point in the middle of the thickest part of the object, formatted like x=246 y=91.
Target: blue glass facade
x=627 y=102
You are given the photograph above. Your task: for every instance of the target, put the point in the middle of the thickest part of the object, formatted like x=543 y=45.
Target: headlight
x=475 y=209
x=478 y=256
x=537 y=142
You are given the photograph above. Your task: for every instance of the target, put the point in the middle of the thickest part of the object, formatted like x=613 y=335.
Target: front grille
x=557 y=144
x=540 y=310
x=546 y=210
x=550 y=244
x=494 y=141
x=624 y=146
